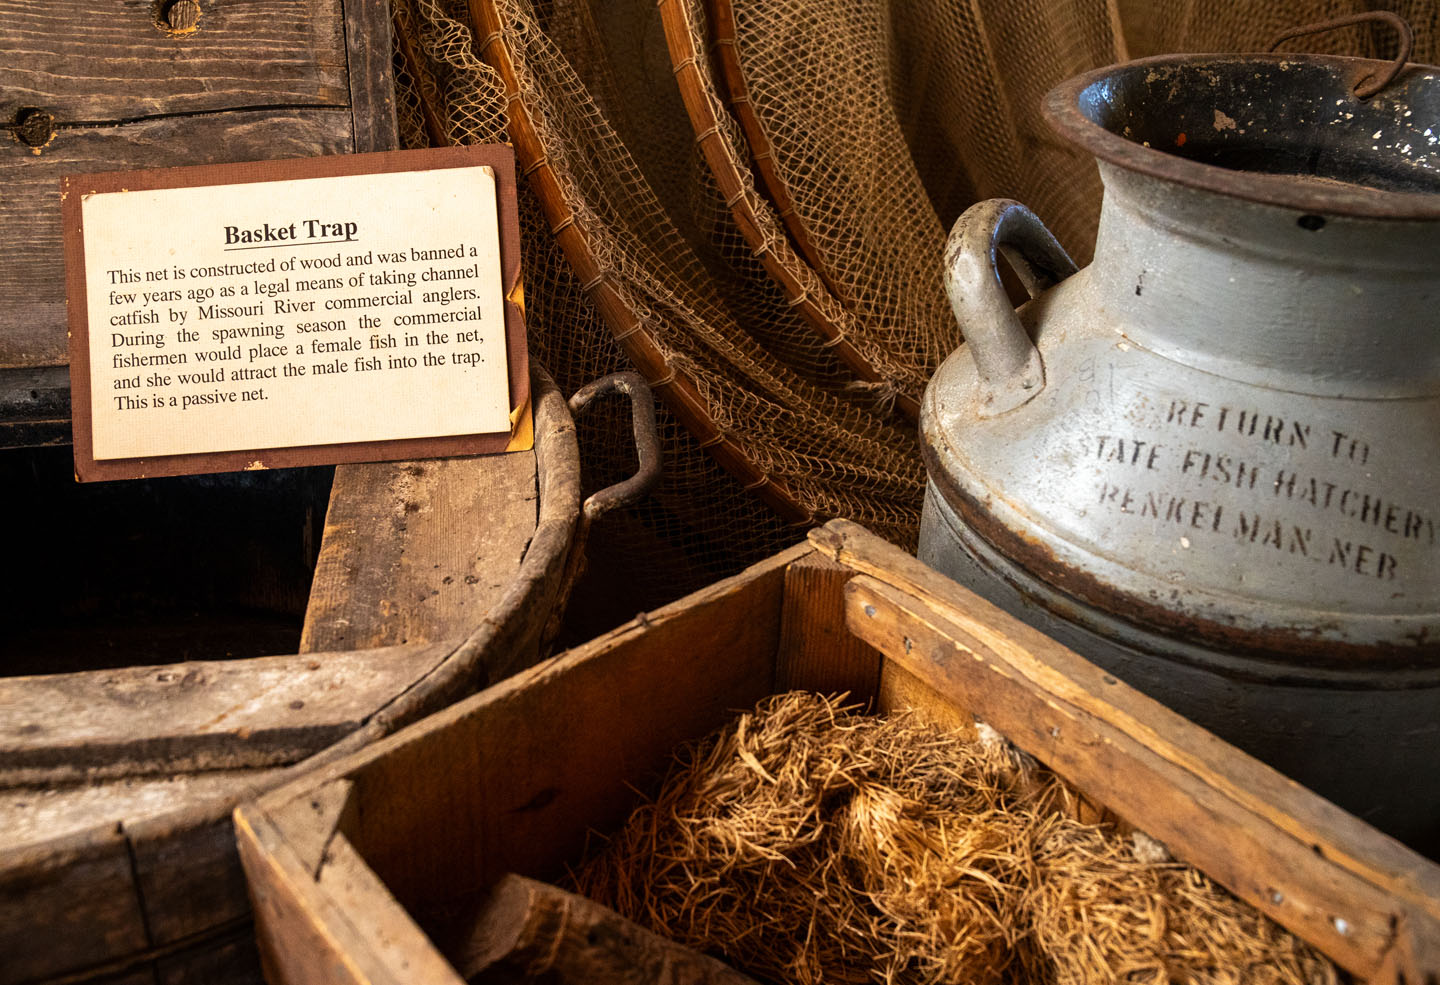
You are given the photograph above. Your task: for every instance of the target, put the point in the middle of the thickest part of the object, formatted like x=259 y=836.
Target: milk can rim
x=1061 y=109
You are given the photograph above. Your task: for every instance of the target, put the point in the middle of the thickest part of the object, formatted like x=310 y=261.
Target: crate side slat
x=303 y=935
x=552 y=759
x=1127 y=752
x=1342 y=838
x=817 y=652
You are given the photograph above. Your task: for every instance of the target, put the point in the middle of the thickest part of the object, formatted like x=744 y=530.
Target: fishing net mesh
x=764 y=187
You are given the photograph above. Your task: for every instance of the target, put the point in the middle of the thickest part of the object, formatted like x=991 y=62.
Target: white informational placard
x=303 y=312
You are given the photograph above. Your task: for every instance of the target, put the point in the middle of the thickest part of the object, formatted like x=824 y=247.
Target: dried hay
x=1100 y=913
x=810 y=843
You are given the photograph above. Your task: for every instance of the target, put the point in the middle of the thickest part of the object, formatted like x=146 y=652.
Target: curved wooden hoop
x=733 y=88
x=801 y=282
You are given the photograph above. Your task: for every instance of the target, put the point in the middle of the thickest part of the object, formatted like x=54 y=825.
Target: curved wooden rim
x=816 y=304
x=1062 y=111
x=733 y=88
x=673 y=385
x=494 y=649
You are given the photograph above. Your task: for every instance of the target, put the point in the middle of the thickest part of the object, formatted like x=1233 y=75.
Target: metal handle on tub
x=647 y=440
x=1011 y=372
x=647 y=452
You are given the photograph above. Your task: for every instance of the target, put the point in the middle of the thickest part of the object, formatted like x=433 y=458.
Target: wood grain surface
x=254 y=80
x=32 y=815
x=817 y=652
x=135 y=880
x=187 y=717
x=1313 y=868
x=77 y=894
x=418 y=552
x=92 y=63
x=509 y=780
x=523 y=926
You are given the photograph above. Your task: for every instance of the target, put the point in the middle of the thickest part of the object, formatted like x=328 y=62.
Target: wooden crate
x=512 y=778
x=90 y=85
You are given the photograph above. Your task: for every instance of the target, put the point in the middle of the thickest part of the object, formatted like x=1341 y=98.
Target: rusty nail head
x=34 y=127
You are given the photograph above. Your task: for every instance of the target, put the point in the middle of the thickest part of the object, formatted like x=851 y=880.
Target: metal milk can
x=1209 y=460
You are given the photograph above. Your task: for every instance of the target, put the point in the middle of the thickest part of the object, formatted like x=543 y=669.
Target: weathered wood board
x=91 y=86
x=34 y=815
x=391 y=570
x=146 y=859
x=513 y=779
x=192 y=717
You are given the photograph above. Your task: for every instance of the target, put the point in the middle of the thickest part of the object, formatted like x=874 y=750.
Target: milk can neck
x=1324 y=305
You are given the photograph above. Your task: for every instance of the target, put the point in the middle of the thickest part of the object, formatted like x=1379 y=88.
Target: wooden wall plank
x=368 y=32
x=32 y=269
x=85 y=61
x=34 y=406
x=417 y=552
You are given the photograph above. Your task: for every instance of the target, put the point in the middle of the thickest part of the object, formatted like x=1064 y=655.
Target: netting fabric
x=886 y=119
x=758 y=193
x=685 y=273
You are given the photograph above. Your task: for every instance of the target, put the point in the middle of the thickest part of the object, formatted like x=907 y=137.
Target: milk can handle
x=1374 y=82
x=1009 y=365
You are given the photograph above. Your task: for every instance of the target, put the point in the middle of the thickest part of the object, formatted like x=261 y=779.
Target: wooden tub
x=512 y=778
x=117 y=858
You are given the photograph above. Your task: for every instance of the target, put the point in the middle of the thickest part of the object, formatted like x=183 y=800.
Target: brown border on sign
x=501 y=159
